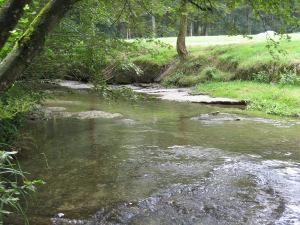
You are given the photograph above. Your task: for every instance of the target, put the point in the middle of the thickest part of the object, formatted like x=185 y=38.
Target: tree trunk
x=10 y=14
x=181 y=46
x=249 y=25
x=191 y=29
x=204 y=29
x=122 y=30
x=32 y=42
x=153 y=21
x=196 y=28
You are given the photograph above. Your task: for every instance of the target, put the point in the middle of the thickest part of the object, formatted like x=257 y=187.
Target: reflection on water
x=158 y=166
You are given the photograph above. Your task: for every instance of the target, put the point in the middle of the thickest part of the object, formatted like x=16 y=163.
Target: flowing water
x=157 y=165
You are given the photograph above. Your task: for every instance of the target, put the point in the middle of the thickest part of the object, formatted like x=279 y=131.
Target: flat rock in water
x=56 y=109
x=129 y=122
x=74 y=84
x=94 y=114
x=220 y=118
x=90 y=115
x=183 y=95
x=217 y=118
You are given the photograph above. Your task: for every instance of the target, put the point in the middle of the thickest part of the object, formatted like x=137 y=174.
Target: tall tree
x=10 y=14
x=181 y=46
x=202 y=6
x=32 y=41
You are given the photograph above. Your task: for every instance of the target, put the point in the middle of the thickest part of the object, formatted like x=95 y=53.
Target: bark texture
x=181 y=46
x=9 y=17
x=32 y=41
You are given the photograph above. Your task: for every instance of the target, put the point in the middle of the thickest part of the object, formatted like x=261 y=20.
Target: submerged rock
x=50 y=112
x=220 y=118
x=56 y=109
x=129 y=122
x=217 y=118
x=184 y=95
x=90 y=115
x=74 y=84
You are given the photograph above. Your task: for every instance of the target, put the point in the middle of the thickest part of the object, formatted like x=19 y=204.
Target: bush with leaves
x=173 y=79
x=262 y=77
x=289 y=77
x=13 y=186
x=19 y=100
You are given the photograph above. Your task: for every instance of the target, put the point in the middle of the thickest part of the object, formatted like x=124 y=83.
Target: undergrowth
x=18 y=101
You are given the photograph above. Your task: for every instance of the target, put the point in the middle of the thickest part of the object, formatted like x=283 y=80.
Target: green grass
x=245 y=59
x=240 y=56
x=205 y=41
x=271 y=99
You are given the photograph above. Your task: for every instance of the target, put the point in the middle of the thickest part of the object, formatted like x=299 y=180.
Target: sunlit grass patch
x=271 y=99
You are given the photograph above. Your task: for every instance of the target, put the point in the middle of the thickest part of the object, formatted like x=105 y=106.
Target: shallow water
x=157 y=165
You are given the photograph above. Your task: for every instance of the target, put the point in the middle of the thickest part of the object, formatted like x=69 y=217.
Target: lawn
x=205 y=41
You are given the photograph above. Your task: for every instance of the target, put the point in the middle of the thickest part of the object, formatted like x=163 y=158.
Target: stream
x=160 y=162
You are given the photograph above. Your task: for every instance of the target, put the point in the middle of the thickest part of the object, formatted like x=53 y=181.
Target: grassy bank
x=268 y=78
x=271 y=99
x=247 y=61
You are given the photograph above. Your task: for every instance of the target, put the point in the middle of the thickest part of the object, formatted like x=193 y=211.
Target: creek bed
x=157 y=164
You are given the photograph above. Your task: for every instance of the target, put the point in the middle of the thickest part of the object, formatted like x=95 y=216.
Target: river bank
x=257 y=98
x=268 y=81
x=171 y=94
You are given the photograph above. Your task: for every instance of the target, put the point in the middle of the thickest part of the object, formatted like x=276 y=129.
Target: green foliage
x=14 y=104
x=19 y=100
x=190 y=80
x=30 y=12
x=289 y=77
x=194 y=77
x=173 y=79
x=248 y=61
x=2 y=2
x=79 y=49
x=262 y=77
x=153 y=51
x=131 y=66
x=212 y=74
x=110 y=93
x=13 y=186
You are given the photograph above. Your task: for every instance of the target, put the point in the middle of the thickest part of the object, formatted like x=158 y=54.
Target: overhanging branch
x=202 y=7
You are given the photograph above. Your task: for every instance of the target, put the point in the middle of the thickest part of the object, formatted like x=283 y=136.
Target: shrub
x=289 y=77
x=131 y=66
x=14 y=104
x=213 y=74
x=13 y=186
x=173 y=79
x=188 y=81
x=262 y=77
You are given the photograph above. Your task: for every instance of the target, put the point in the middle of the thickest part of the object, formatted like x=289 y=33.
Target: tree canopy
x=26 y=24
